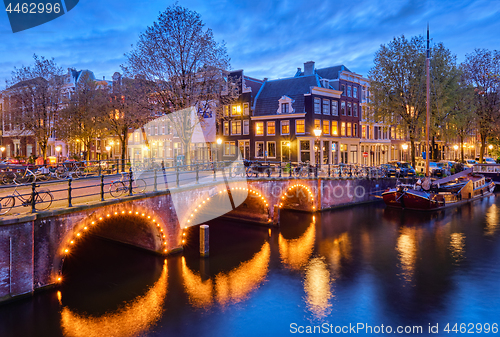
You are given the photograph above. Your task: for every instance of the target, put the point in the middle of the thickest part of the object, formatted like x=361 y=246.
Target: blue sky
x=265 y=38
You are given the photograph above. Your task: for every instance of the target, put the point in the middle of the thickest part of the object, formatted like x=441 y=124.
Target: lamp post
x=58 y=149
x=108 y=148
x=405 y=147
x=2 y=149
x=455 y=147
x=490 y=147
x=317 y=133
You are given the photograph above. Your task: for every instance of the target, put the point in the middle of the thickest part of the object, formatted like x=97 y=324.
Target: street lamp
x=405 y=147
x=219 y=142
x=108 y=148
x=455 y=147
x=317 y=133
x=1 y=151
x=58 y=149
x=490 y=147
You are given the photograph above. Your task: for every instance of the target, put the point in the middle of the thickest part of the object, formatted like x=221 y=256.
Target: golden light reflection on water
x=232 y=287
x=407 y=251
x=132 y=319
x=317 y=287
x=296 y=252
x=457 y=246
x=491 y=221
x=340 y=249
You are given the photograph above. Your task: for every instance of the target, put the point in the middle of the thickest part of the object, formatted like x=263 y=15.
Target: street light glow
x=58 y=148
x=405 y=146
x=490 y=147
x=219 y=141
x=455 y=147
x=317 y=132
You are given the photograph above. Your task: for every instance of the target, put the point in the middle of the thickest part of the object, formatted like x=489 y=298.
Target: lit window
x=335 y=111
x=317 y=124
x=326 y=127
x=226 y=110
x=259 y=128
x=229 y=148
x=342 y=129
x=317 y=105
x=246 y=109
x=226 y=128
x=236 y=128
x=300 y=126
x=271 y=130
x=335 y=126
x=285 y=127
x=349 y=126
x=363 y=131
x=271 y=149
x=236 y=110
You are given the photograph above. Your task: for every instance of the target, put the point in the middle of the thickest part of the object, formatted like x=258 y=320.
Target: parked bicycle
x=43 y=200
x=117 y=188
x=41 y=174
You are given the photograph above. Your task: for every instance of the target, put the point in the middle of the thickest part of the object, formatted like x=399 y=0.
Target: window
x=246 y=109
x=235 y=110
x=349 y=109
x=317 y=124
x=156 y=130
x=226 y=110
x=355 y=109
x=305 y=147
x=300 y=126
x=355 y=92
x=246 y=127
x=335 y=128
x=349 y=91
x=285 y=108
x=393 y=133
x=271 y=130
x=259 y=149
x=229 y=148
x=342 y=108
x=355 y=130
x=285 y=127
x=363 y=131
x=326 y=127
x=271 y=149
x=236 y=128
x=342 y=88
x=349 y=126
x=317 y=105
x=226 y=128
x=326 y=107
x=342 y=129
x=163 y=130
x=335 y=109
x=259 y=128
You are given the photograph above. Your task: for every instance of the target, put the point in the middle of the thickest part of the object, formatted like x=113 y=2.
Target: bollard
x=204 y=245
x=290 y=172
x=69 y=192
x=280 y=168
x=177 y=175
x=197 y=174
x=33 y=197
x=156 y=181
x=130 y=180
x=102 y=188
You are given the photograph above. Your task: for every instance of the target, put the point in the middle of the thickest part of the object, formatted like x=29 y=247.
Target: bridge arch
x=140 y=228
x=298 y=197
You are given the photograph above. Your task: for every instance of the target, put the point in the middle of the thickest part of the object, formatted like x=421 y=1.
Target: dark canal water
x=365 y=264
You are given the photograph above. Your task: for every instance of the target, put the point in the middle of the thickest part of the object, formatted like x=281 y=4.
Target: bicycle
x=43 y=200
x=117 y=188
x=74 y=171
x=302 y=170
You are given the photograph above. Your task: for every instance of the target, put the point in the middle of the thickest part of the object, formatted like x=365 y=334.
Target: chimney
x=104 y=78
x=309 y=68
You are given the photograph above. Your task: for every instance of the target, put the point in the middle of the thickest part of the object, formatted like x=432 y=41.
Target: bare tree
x=34 y=99
x=482 y=70
x=185 y=65
x=83 y=119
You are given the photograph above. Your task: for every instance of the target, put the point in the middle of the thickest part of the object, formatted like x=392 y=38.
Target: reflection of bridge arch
x=131 y=319
x=207 y=208
x=295 y=253
x=148 y=231
x=298 y=197
x=231 y=287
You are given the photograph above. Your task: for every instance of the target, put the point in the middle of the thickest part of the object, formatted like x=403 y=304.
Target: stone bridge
x=33 y=246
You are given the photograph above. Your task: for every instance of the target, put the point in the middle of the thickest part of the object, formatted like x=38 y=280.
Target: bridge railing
x=104 y=180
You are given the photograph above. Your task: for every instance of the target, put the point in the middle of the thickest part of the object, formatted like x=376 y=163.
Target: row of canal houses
x=274 y=120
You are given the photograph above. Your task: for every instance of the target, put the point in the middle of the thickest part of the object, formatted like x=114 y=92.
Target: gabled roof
x=294 y=87
x=330 y=73
x=30 y=82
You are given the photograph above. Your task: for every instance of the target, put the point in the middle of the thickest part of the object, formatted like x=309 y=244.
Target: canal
x=360 y=265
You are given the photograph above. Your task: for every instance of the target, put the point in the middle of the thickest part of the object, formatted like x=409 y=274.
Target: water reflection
x=337 y=251
x=295 y=253
x=407 y=251
x=491 y=221
x=317 y=287
x=457 y=246
x=132 y=319
x=232 y=287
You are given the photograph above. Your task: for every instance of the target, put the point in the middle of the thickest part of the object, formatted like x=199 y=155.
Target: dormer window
x=325 y=83
x=285 y=105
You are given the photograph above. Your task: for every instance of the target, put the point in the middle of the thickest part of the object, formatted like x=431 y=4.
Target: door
x=244 y=146
x=285 y=151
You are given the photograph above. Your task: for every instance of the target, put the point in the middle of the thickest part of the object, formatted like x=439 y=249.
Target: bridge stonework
x=33 y=247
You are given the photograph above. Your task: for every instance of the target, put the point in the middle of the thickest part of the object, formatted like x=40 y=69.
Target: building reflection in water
x=491 y=220
x=337 y=251
x=407 y=251
x=296 y=252
x=227 y=288
x=457 y=246
x=132 y=319
x=317 y=287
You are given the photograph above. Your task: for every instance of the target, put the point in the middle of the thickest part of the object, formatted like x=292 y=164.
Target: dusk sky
x=265 y=38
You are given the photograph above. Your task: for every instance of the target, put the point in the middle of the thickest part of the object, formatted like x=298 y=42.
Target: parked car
x=435 y=169
x=404 y=169
x=390 y=170
x=490 y=161
x=470 y=162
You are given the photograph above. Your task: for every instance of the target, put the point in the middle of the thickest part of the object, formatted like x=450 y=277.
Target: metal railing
x=103 y=180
